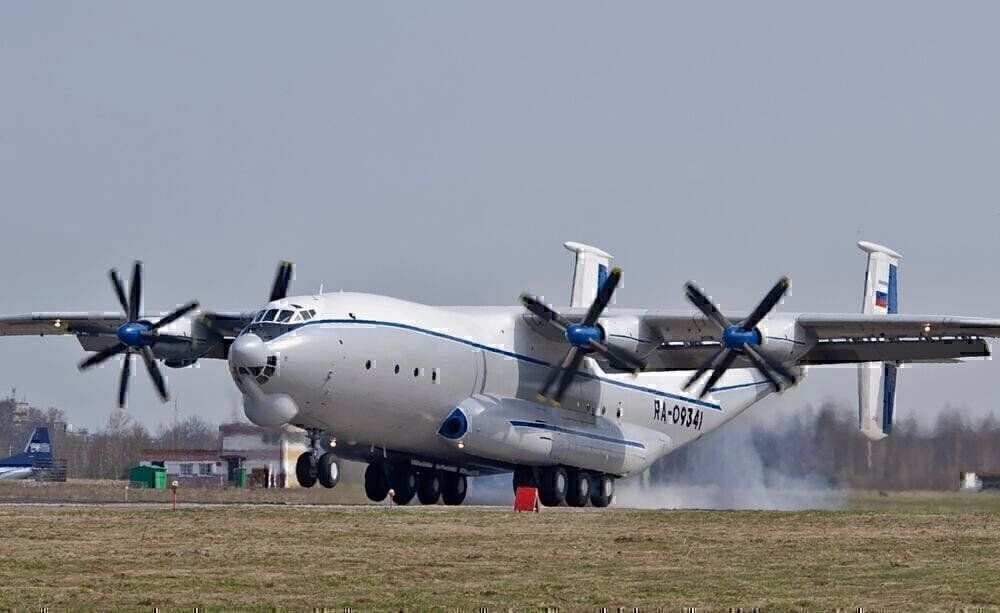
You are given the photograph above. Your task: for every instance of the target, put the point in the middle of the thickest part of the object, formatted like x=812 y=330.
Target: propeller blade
x=154 y=372
x=703 y=304
x=135 y=292
x=623 y=357
x=568 y=373
x=704 y=368
x=281 y=281
x=556 y=370
x=543 y=311
x=102 y=355
x=181 y=312
x=762 y=366
x=123 y=382
x=773 y=364
x=720 y=370
x=766 y=304
x=119 y=291
x=603 y=297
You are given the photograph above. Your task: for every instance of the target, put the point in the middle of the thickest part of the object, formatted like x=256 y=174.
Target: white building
x=267 y=454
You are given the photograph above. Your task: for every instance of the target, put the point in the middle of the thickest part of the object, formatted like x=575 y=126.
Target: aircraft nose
x=248 y=351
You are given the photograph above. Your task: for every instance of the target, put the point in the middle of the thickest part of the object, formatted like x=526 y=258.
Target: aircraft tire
x=328 y=470
x=453 y=488
x=578 y=488
x=376 y=482
x=552 y=490
x=602 y=489
x=428 y=487
x=403 y=481
x=305 y=470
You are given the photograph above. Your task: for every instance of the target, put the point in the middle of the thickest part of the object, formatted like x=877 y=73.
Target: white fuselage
x=9 y=473
x=383 y=374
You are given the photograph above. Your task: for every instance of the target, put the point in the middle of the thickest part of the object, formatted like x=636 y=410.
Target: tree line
x=108 y=453
x=820 y=446
x=824 y=447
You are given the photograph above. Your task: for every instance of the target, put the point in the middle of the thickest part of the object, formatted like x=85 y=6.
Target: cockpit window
x=307 y=315
x=269 y=316
x=257 y=316
x=297 y=317
x=284 y=316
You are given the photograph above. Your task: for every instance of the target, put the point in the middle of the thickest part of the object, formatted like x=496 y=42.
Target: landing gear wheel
x=524 y=476
x=428 y=487
x=305 y=470
x=403 y=481
x=578 y=490
x=602 y=491
x=453 y=488
x=376 y=482
x=553 y=486
x=328 y=470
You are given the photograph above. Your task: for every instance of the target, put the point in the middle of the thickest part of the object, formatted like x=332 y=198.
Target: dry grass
x=934 y=551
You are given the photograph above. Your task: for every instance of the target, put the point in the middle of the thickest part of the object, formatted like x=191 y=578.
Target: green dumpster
x=152 y=477
x=240 y=477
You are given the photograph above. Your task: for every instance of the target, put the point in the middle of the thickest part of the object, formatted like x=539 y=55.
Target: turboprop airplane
x=37 y=455
x=568 y=399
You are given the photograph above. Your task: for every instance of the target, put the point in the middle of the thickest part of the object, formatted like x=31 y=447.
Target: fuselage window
x=396 y=369
x=416 y=372
x=434 y=375
x=368 y=365
x=284 y=316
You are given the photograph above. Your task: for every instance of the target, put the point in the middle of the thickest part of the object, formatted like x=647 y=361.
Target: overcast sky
x=443 y=152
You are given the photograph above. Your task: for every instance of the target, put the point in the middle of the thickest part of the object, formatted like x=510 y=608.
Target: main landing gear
x=316 y=465
x=575 y=487
x=429 y=485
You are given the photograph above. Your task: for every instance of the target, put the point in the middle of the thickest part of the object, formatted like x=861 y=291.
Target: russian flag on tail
x=881 y=299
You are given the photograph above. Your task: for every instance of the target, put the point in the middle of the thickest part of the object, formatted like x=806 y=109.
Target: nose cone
x=249 y=351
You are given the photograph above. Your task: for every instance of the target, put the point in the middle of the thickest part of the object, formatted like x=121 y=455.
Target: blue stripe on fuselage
x=553 y=428
x=504 y=352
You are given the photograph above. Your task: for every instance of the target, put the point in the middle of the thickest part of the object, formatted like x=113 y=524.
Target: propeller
x=584 y=337
x=136 y=335
x=739 y=339
x=281 y=281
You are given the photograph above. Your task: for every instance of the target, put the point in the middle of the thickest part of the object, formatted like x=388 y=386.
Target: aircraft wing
x=687 y=340
x=97 y=330
x=33 y=324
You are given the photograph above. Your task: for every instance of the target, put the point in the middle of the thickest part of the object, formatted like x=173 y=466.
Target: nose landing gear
x=316 y=465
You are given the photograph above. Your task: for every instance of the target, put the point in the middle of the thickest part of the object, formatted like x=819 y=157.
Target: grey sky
x=443 y=152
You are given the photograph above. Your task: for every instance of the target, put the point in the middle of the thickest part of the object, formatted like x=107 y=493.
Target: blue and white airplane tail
x=38 y=451
x=589 y=274
x=877 y=380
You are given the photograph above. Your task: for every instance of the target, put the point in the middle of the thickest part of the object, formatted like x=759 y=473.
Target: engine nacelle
x=784 y=339
x=628 y=333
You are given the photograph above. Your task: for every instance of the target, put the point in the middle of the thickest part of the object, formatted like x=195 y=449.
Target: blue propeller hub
x=579 y=335
x=735 y=337
x=130 y=333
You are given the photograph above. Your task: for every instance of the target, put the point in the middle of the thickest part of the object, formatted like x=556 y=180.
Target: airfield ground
x=902 y=551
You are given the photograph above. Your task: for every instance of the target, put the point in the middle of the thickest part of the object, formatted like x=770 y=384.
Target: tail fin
x=590 y=273
x=38 y=451
x=39 y=446
x=877 y=380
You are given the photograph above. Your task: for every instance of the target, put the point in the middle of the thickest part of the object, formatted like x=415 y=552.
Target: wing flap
x=837 y=326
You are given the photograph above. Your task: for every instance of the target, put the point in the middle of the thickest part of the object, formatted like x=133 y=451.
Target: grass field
x=907 y=551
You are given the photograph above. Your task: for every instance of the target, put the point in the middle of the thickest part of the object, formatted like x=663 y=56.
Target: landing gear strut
x=315 y=465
